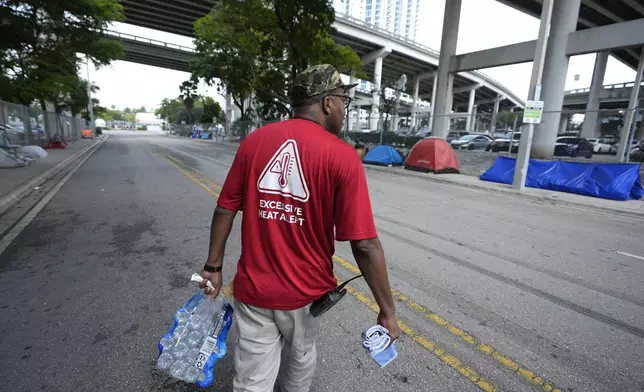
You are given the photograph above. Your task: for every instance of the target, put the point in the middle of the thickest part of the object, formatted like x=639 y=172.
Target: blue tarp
x=206 y=135
x=615 y=181
x=383 y=155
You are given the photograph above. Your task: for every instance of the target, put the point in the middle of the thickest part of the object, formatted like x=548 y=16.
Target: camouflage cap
x=316 y=80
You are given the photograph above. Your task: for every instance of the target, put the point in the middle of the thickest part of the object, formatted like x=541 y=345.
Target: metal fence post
x=631 y=135
x=26 y=121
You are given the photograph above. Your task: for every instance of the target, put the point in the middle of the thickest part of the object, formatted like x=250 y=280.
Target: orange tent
x=432 y=154
x=87 y=134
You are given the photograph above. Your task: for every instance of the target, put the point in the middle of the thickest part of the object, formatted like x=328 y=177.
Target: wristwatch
x=210 y=268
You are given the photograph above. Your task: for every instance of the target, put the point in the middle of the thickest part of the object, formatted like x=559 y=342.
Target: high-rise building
x=400 y=17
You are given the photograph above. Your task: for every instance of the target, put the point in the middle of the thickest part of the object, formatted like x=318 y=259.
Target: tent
x=614 y=181
x=87 y=134
x=432 y=154
x=384 y=155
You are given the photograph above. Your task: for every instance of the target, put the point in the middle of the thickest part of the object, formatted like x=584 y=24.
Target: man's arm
x=222 y=223
x=354 y=222
x=231 y=200
x=371 y=260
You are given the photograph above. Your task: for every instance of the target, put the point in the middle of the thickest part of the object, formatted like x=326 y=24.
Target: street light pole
x=523 y=156
x=89 y=95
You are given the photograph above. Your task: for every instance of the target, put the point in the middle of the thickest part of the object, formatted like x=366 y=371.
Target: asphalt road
x=493 y=292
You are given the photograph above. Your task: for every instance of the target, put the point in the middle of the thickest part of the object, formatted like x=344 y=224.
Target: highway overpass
x=382 y=52
x=165 y=55
x=604 y=27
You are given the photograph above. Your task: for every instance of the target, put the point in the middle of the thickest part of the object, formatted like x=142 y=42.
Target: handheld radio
x=328 y=300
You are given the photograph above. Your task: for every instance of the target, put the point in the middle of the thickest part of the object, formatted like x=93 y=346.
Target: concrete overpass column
x=442 y=105
x=377 y=58
x=477 y=120
x=590 y=127
x=431 y=108
x=471 y=117
x=563 y=125
x=414 y=107
x=353 y=111
x=564 y=21
x=375 y=97
x=629 y=118
x=495 y=112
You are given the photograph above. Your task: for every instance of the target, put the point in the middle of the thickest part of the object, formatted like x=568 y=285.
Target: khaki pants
x=266 y=338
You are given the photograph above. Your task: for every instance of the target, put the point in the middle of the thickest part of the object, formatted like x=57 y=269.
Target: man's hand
x=216 y=279
x=389 y=322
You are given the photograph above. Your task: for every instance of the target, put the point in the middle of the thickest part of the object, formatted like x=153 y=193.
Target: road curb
x=507 y=191
x=11 y=198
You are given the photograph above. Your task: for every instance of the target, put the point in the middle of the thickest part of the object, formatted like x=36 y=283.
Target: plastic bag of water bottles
x=196 y=340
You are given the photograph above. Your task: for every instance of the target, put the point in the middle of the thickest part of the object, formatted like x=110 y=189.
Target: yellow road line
x=193 y=178
x=486 y=349
x=449 y=359
x=429 y=345
x=195 y=172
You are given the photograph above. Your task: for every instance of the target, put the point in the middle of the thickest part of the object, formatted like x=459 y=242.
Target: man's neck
x=308 y=117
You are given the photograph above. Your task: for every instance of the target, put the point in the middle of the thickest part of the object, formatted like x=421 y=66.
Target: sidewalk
x=13 y=179
x=630 y=207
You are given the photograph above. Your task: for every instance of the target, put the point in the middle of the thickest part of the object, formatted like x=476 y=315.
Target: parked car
x=573 y=147
x=637 y=154
x=455 y=135
x=503 y=143
x=600 y=146
x=472 y=142
x=633 y=146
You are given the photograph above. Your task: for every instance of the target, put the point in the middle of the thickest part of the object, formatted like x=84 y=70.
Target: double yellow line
x=431 y=346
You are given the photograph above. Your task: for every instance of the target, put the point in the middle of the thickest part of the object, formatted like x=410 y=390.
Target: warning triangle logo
x=283 y=174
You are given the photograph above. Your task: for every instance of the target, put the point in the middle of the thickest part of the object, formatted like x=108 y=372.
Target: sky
x=125 y=84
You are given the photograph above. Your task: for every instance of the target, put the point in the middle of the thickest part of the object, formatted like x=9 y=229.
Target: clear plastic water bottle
x=196 y=340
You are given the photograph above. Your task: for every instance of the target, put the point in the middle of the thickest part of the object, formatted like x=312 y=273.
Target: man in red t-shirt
x=300 y=188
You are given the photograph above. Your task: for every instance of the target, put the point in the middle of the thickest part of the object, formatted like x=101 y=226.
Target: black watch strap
x=210 y=268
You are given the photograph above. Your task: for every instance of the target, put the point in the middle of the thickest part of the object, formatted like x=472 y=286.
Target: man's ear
x=326 y=104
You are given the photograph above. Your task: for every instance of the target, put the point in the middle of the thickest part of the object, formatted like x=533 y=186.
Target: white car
x=600 y=146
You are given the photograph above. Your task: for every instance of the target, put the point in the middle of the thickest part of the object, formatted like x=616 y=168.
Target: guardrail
x=605 y=87
x=148 y=40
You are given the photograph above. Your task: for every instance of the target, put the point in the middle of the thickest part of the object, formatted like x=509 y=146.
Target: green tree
x=506 y=118
x=168 y=109
x=189 y=95
x=212 y=110
x=241 y=43
x=39 y=42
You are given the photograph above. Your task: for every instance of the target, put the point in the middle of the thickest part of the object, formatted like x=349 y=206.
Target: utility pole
x=91 y=104
x=631 y=115
x=523 y=156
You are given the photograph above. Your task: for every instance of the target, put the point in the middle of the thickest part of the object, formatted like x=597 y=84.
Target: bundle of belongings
x=57 y=141
x=12 y=155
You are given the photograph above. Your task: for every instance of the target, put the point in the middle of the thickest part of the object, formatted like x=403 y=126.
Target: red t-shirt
x=294 y=182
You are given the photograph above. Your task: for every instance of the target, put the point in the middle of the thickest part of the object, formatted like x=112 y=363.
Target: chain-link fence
x=29 y=125
x=601 y=131
x=579 y=135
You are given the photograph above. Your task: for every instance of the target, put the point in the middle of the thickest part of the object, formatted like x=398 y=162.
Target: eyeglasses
x=346 y=99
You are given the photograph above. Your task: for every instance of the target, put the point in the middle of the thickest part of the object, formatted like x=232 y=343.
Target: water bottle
x=196 y=340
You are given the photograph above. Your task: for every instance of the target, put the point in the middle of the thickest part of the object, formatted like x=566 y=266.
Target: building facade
x=400 y=17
